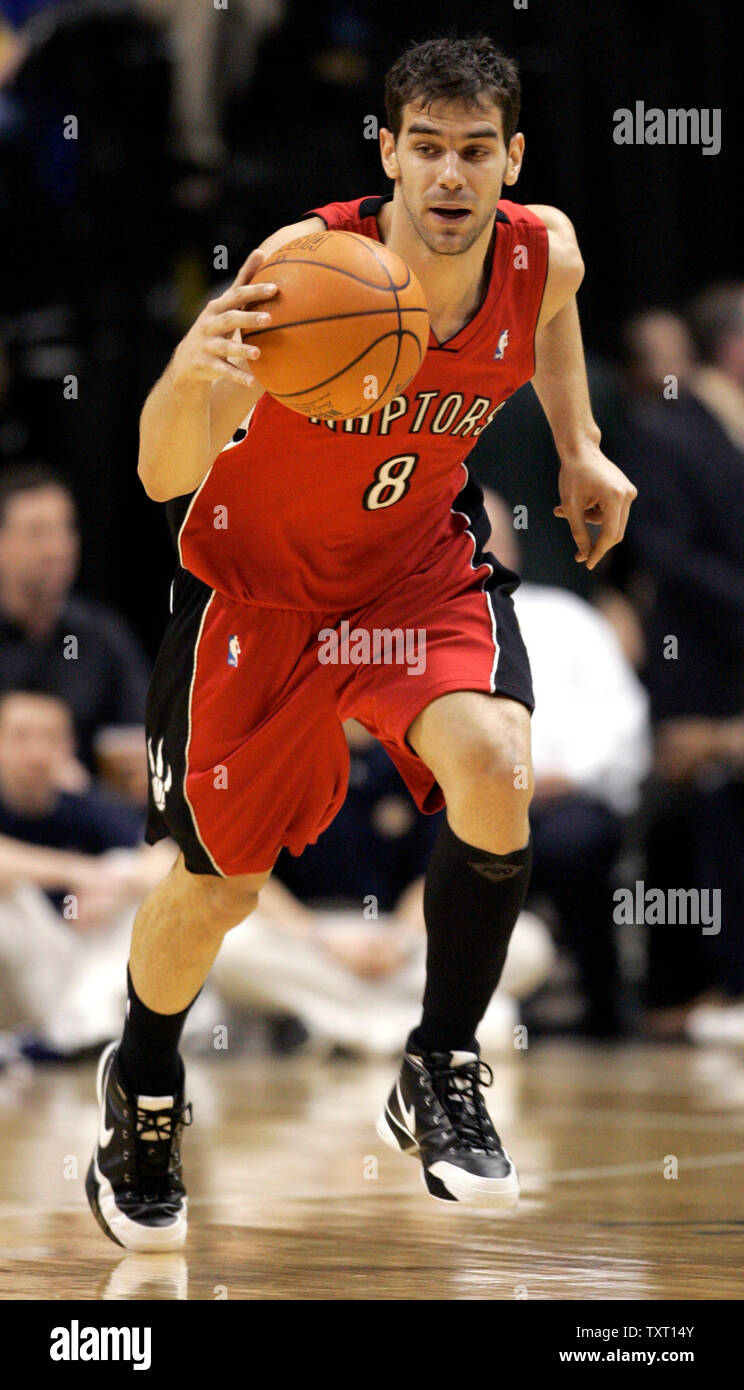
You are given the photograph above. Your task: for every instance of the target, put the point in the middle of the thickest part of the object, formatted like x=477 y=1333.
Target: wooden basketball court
x=293 y=1196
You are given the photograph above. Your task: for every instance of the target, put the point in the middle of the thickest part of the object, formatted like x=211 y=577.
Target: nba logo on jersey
x=502 y=345
x=233 y=650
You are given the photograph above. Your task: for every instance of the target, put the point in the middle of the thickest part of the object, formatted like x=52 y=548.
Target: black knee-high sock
x=471 y=902
x=148 y=1051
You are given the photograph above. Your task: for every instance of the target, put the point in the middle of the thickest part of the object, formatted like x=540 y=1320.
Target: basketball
x=349 y=325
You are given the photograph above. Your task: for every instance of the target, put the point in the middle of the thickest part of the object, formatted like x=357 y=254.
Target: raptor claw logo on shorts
x=161 y=776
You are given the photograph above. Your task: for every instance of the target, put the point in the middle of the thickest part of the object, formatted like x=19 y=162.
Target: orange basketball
x=349 y=326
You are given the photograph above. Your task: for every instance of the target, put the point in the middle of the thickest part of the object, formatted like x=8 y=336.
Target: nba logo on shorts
x=233 y=650
x=502 y=345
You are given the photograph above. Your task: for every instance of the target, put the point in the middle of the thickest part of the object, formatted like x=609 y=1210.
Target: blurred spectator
x=69 y=645
x=590 y=754
x=14 y=434
x=686 y=538
x=14 y=15
x=623 y=616
x=657 y=344
x=353 y=967
x=518 y=459
x=375 y=849
x=17 y=12
x=717 y=322
x=686 y=530
x=83 y=124
x=214 y=50
x=73 y=867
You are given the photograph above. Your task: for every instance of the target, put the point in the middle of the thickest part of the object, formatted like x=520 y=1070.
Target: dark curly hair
x=469 y=69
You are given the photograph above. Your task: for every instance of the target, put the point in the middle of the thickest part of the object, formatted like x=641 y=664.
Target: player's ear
x=387 y=153
x=514 y=158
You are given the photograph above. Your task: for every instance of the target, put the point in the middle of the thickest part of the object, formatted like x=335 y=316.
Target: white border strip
x=210 y=856
x=188 y=514
x=245 y=422
x=483 y=564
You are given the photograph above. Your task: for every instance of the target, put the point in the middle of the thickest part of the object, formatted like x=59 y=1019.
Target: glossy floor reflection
x=292 y=1195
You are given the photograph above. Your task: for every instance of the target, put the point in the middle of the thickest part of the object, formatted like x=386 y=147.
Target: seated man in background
x=353 y=903
x=590 y=751
x=657 y=343
x=73 y=867
x=57 y=640
x=686 y=544
x=378 y=851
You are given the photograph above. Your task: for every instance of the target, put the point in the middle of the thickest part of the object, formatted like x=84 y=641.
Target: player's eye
x=424 y=149
x=476 y=151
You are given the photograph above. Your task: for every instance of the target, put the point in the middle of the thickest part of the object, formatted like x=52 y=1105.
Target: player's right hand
x=214 y=347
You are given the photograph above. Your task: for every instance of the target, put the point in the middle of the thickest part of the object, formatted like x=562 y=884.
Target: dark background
x=104 y=267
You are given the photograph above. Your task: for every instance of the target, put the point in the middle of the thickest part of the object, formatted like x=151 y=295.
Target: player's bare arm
x=207 y=389
x=591 y=487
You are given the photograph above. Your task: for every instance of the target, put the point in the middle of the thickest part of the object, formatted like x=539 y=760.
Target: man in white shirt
x=590 y=739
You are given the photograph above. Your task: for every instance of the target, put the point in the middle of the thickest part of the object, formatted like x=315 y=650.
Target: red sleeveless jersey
x=324 y=516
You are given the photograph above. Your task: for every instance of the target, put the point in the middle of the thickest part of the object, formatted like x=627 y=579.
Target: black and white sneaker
x=436 y=1112
x=134 y=1182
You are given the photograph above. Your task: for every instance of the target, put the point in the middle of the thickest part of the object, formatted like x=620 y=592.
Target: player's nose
x=449 y=174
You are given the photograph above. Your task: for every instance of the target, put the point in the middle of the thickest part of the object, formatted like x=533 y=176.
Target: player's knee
x=499 y=766
x=221 y=903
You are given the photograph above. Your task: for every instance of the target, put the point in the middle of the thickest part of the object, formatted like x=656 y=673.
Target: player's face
x=452 y=163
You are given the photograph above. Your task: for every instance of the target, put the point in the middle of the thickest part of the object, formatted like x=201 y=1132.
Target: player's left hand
x=594 y=490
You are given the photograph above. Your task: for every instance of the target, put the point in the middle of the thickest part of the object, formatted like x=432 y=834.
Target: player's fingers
x=610 y=534
x=243 y=320
x=629 y=500
x=593 y=514
x=573 y=512
x=250 y=266
x=231 y=347
x=224 y=371
x=238 y=295
x=227 y=373
x=624 y=513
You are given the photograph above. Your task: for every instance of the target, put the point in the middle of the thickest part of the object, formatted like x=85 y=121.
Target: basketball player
x=284 y=527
